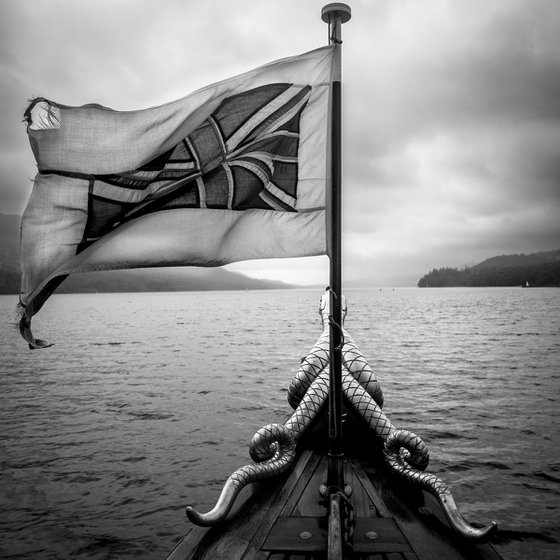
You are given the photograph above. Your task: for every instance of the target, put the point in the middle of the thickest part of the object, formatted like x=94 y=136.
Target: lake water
x=147 y=402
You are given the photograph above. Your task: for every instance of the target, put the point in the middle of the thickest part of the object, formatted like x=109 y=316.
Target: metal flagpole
x=335 y=15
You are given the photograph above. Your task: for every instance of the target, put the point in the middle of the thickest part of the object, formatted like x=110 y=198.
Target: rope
x=337 y=327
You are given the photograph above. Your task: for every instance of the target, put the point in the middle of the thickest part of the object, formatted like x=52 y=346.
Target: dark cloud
x=454 y=133
x=452 y=109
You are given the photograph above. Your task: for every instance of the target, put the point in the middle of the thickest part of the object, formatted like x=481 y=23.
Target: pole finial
x=335 y=15
x=334 y=10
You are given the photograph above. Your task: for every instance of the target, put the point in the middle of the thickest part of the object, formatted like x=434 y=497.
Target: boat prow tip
x=482 y=534
x=461 y=525
x=489 y=531
x=204 y=519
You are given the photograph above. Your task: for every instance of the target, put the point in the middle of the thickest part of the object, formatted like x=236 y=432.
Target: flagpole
x=335 y=15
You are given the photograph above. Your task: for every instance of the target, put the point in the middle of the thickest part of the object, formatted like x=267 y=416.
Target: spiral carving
x=410 y=464
x=273 y=447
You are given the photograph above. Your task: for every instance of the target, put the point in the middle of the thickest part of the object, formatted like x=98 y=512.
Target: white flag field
x=235 y=171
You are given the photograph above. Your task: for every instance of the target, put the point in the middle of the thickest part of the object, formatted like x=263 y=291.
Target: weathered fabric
x=235 y=171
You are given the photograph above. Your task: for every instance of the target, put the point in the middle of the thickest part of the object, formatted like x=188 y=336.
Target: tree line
x=541 y=275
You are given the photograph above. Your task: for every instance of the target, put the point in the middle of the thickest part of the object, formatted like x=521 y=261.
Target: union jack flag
x=237 y=170
x=244 y=155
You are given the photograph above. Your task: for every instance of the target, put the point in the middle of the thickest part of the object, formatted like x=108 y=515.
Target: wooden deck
x=286 y=520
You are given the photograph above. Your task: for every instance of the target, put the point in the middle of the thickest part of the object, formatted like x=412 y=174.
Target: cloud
x=452 y=108
x=456 y=148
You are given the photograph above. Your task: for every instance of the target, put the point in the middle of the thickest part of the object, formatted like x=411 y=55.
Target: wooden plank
x=289 y=493
x=335 y=537
x=298 y=534
x=186 y=546
x=363 y=506
x=372 y=494
x=388 y=537
x=310 y=535
x=305 y=499
x=393 y=556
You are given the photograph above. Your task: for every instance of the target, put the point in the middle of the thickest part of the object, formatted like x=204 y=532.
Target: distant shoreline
x=540 y=270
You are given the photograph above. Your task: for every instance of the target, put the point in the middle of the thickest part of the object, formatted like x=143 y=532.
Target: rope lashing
x=338 y=328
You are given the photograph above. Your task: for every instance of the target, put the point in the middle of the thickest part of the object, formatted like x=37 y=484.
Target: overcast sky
x=451 y=109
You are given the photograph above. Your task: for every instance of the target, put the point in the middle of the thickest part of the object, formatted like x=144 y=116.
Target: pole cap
x=336 y=9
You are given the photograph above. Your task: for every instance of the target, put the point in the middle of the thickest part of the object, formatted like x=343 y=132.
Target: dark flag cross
x=243 y=156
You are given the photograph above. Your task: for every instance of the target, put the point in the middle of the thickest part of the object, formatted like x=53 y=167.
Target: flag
x=234 y=171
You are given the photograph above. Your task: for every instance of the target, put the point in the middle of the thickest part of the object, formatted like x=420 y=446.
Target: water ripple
x=107 y=435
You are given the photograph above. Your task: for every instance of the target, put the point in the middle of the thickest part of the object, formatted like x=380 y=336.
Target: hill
x=9 y=254
x=140 y=280
x=536 y=270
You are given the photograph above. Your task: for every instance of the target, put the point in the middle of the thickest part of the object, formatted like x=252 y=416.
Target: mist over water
x=147 y=402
